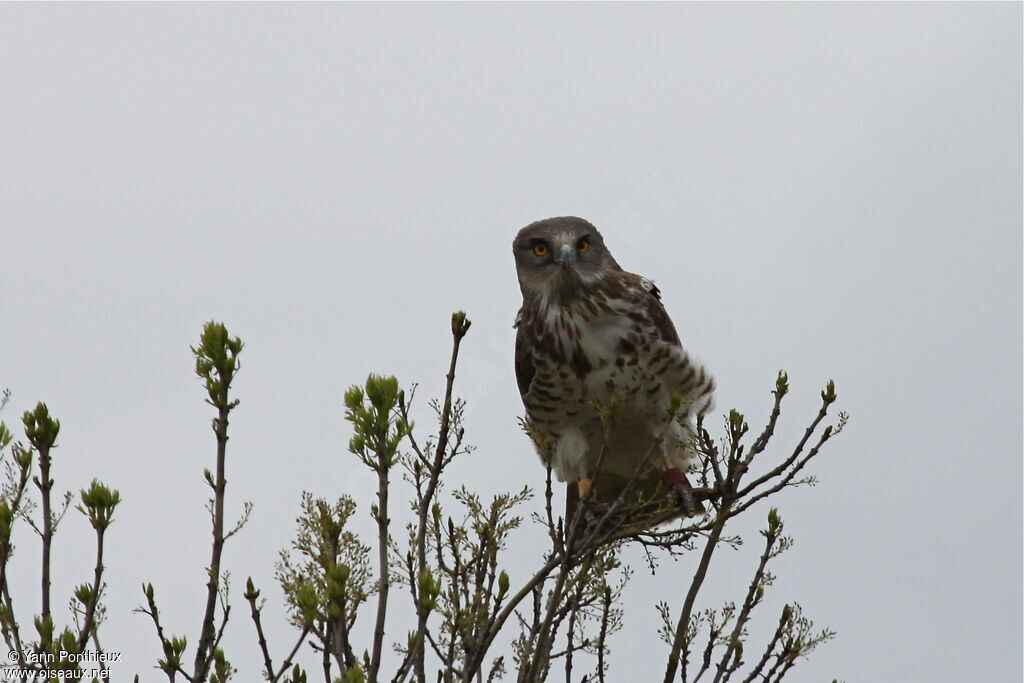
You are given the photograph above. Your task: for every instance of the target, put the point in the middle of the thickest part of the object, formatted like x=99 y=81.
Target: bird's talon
x=685 y=499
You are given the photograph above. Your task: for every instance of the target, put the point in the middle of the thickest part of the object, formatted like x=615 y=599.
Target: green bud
x=354 y=397
x=250 y=590
x=44 y=627
x=40 y=428
x=83 y=593
x=382 y=392
x=355 y=674
x=502 y=584
x=67 y=645
x=337 y=583
x=222 y=669
x=98 y=504
x=460 y=324
x=217 y=362
x=782 y=383
x=675 y=402
x=307 y=602
x=829 y=395
x=737 y=424
x=429 y=588
x=6 y=522
x=22 y=457
x=173 y=649
x=357 y=444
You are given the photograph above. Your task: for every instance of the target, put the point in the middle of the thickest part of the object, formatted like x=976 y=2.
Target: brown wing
x=525 y=369
x=696 y=384
x=657 y=313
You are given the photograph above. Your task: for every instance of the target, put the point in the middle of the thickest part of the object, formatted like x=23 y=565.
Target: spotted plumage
x=592 y=337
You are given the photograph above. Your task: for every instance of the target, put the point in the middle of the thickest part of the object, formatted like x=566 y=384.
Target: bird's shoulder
x=646 y=295
x=623 y=284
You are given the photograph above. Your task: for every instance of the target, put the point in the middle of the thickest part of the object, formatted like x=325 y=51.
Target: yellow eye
x=540 y=249
x=583 y=246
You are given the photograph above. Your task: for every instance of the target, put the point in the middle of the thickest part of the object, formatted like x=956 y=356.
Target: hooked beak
x=566 y=256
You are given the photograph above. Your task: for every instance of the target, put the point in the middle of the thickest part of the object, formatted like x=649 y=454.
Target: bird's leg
x=679 y=487
x=675 y=480
x=590 y=505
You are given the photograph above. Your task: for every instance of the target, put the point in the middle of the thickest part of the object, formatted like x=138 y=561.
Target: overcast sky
x=830 y=189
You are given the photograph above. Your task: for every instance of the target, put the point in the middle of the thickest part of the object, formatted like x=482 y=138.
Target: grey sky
x=826 y=188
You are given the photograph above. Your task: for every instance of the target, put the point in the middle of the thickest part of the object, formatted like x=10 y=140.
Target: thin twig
x=776 y=471
x=94 y=598
x=208 y=631
x=603 y=634
x=423 y=510
x=691 y=593
x=748 y=604
x=254 y=612
x=45 y=485
x=384 y=585
x=291 y=655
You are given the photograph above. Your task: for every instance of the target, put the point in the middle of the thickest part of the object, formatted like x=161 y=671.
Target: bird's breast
x=594 y=354
x=615 y=351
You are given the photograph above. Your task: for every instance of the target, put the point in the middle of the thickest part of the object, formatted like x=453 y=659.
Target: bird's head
x=556 y=258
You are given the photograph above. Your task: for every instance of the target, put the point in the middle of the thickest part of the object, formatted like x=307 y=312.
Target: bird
x=599 y=365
